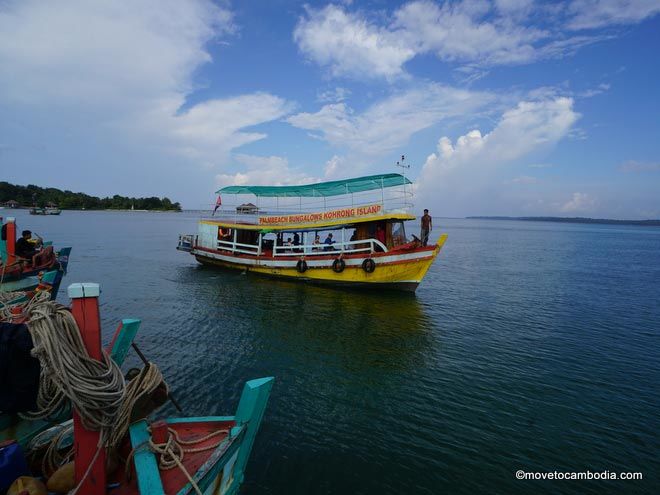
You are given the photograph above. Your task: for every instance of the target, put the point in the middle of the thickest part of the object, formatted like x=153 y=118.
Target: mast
x=403 y=172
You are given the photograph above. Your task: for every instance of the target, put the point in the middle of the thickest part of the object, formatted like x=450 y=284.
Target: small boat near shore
x=48 y=210
x=362 y=221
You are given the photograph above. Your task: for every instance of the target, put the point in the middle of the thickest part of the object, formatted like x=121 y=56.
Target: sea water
x=528 y=346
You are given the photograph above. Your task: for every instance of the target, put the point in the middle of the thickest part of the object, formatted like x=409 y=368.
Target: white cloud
x=477 y=34
x=264 y=170
x=115 y=77
x=350 y=45
x=389 y=123
x=460 y=32
x=514 y=6
x=336 y=167
x=104 y=53
x=579 y=203
x=458 y=172
x=334 y=95
x=590 y=14
x=600 y=89
x=524 y=180
x=532 y=124
x=208 y=131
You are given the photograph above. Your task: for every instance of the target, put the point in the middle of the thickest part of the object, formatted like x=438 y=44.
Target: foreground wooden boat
x=200 y=455
x=217 y=449
x=361 y=244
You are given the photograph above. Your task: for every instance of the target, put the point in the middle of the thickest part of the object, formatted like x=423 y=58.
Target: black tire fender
x=369 y=265
x=338 y=265
x=301 y=266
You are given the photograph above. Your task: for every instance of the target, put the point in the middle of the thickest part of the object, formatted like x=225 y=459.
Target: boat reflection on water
x=305 y=322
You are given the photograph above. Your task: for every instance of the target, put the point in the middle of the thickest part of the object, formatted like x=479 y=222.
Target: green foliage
x=32 y=195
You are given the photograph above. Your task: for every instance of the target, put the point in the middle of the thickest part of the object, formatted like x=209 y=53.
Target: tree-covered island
x=31 y=195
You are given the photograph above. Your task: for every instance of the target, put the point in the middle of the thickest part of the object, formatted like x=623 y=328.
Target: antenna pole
x=403 y=170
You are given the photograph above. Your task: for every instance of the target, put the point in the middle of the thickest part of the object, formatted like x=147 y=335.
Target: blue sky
x=512 y=107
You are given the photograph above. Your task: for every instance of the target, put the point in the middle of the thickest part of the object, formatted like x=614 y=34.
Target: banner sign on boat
x=352 y=212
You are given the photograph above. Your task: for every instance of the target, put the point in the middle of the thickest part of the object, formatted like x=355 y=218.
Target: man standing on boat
x=427 y=226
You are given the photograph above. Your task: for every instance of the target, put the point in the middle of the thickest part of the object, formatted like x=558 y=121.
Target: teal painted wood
x=200 y=419
x=229 y=458
x=3 y=251
x=129 y=328
x=63 y=260
x=146 y=465
x=28 y=283
x=250 y=411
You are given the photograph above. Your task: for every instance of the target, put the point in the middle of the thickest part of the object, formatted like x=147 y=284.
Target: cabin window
x=398 y=234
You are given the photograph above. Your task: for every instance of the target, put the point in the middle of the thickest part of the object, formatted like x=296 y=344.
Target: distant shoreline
x=600 y=221
x=155 y=210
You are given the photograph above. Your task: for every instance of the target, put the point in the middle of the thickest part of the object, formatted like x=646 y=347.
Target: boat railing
x=346 y=247
x=186 y=242
x=239 y=247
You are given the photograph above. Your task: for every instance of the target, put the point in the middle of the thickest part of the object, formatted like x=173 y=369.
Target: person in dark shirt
x=329 y=241
x=24 y=248
x=427 y=226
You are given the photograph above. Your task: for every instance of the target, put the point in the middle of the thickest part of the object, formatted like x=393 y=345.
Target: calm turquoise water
x=529 y=346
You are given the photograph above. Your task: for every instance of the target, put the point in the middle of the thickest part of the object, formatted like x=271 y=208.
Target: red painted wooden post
x=10 y=245
x=159 y=432
x=85 y=310
x=114 y=338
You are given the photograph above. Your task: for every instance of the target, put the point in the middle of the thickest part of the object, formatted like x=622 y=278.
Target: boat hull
x=394 y=270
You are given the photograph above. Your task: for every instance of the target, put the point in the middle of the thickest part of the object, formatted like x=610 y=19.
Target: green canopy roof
x=333 y=188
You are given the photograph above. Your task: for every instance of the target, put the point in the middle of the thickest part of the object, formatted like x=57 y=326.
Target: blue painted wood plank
x=129 y=328
x=146 y=465
x=200 y=419
x=250 y=411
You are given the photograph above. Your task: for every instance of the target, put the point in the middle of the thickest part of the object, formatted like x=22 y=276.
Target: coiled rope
x=95 y=388
x=7 y=304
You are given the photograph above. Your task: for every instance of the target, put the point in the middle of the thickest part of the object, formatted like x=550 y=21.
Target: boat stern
x=186 y=242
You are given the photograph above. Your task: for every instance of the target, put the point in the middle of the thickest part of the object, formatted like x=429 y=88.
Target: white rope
x=95 y=388
x=7 y=306
x=143 y=384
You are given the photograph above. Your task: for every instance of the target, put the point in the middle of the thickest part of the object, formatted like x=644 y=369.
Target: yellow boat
x=347 y=233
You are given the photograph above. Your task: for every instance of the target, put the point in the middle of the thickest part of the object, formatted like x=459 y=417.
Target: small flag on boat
x=218 y=203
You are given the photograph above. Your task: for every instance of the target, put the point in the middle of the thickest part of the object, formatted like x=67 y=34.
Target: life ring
x=369 y=265
x=338 y=265
x=301 y=266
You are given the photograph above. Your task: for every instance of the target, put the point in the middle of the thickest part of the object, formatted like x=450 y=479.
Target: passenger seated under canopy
x=329 y=241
